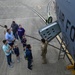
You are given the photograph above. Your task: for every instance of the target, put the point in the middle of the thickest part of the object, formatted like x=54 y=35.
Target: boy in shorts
x=24 y=42
x=16 y=51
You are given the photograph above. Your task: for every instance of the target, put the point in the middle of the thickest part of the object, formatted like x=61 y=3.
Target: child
x=29 y=56
x=24 y=40
x=16 y=51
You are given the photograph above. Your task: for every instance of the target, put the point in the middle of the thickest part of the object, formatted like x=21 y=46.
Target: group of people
x=14 y=33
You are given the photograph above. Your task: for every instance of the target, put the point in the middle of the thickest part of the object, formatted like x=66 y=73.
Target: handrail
x=65 y=49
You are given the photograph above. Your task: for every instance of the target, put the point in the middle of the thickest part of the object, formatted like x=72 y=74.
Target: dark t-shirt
x=24 y=40
x=29 y=54
x=14 y=27
x=21 y=31
x=16 y=50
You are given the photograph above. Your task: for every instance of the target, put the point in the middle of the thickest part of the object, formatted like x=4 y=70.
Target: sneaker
x=16 y=40
x=18 y=61
x=12 y=62
x=10 y=66
x=30 y=68
x=44 y=62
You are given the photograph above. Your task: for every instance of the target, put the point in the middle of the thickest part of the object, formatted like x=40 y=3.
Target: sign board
x=50 y=31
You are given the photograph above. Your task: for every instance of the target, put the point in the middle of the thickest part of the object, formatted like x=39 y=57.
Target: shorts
x=24 y=45
x=11 y=44
x=17 y=54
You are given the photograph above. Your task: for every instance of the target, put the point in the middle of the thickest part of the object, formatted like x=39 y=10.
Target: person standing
x=17 y=53
x=5 y=29
x=21 y=32
x=15 y=27
x=10 y=37
x=7 y=50
x=24 y=42
x=29 y=56
x=44 y=44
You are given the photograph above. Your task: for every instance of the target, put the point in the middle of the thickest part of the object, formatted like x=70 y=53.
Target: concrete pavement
x=16 y=10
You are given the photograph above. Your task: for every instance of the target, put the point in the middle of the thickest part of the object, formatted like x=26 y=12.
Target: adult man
x=7 y=50
x=15 y=27
x=21 y=32
x=10 y=37
x=44 y=44
x=29 y=56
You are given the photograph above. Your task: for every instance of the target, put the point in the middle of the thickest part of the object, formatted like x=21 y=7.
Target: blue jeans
x=9 y=59
x=20 y=38
x=29 y=63
x=16 y=35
